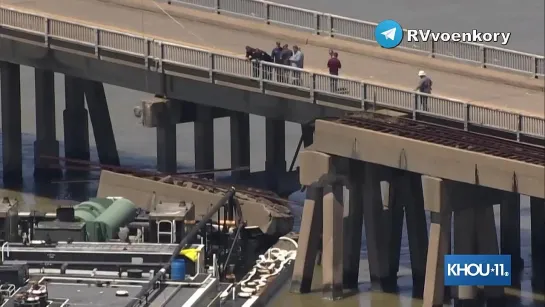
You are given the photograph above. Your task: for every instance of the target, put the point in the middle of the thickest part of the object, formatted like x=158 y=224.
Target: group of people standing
x=281 y=55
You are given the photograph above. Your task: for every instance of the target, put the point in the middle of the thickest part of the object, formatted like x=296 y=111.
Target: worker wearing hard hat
x=424 y=86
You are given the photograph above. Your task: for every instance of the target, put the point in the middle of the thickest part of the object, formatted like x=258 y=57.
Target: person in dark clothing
x=424 y=86
x=267 y=70
x=285 y=56
x=277 y=58
x=334 y=65
x=253 y=56
x=276 y=53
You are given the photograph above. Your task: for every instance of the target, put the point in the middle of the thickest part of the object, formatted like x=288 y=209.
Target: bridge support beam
x=417 y=232
x=12 y=147
x=309 y=240
x=383 y=225
x=510 y=233
x=537 y=211
x=435 y=191
x=46 y=143
x=332 y=254
x=101 y=121
x=76 y=122
x=240 y=143
x=166 y=135
x=353 y=225
x=204 y=139
x=275 y=162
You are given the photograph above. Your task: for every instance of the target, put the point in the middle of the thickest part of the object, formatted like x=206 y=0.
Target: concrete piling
x=12 y=152
x=46 y=143
x=510 y=233
x=378 y=211
x=417 y=232
x=166 y=137
x=353 y=226
x=240 y=143
x=275 y=161
x=332 y=254
x=204 y=139
x=537 y=211
x=309 y=240
x=101 y=122
x=435 y=192
x=76 y=122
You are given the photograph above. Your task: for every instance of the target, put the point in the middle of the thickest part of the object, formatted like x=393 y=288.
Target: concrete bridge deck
x=358 y=66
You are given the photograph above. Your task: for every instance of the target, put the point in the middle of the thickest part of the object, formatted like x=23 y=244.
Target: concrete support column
x=332 y=254
x=240 y=143
x=309 y=240
x=76 y=122
x=101 y=121
x=46 y=143
x=382 y=220
x=510 y=232
x=353 y=226
x=307 y=131
x=275 y=162
x=166 y=137
x=204 y=139
x=314 y=166
x=487 y=243
x=435 y=194
x=417 y=229
x=12 y=151
x=537 y=211
x=464 y=244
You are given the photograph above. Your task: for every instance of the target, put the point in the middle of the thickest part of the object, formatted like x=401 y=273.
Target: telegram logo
x=388 y=33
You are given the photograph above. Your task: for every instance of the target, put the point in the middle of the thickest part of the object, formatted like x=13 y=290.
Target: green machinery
x=104 y=216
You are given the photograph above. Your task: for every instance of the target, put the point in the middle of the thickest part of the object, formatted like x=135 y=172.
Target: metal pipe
x=185 y=240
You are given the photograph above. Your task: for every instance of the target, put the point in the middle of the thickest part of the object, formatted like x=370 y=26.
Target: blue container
x=177 y=270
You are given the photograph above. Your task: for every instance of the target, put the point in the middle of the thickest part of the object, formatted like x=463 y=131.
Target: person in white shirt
x=297 y=60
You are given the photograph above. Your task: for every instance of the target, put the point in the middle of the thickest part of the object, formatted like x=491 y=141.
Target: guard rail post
x=212 y=66
x=97 y=43
x=364 y=105
x=218 y=7
x=466 y=116
x=317 y=24
x=519 y=126
x=415 y=105
x=312 y=88
x=46 y=32
x=266 y=12
x=483 y=56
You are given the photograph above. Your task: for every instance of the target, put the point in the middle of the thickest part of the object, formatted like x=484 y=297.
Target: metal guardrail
x=165 y=54
x=364 y=31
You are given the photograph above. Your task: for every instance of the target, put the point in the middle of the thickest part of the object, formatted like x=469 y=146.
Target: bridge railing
x=364 y=31
x=365 y=94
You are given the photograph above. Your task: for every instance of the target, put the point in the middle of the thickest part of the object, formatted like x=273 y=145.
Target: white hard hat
x=421 y=73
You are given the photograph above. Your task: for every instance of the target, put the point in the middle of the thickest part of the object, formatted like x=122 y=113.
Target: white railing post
x=46 y=32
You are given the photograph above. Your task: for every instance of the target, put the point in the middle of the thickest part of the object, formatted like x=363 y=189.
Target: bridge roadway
x=356 y=66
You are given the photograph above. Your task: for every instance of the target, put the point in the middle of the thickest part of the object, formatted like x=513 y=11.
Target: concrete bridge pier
x=166 y=134
x=436 y=200
x=204 y=139
x=76 y=122
x=537 y=211
x=101 y=122
x=275 y=162
x=12 y=151
x=46 y=143
x=353 y=225
x=240 y=143
x=383 y=218
x=324 y=193
x=510 y=233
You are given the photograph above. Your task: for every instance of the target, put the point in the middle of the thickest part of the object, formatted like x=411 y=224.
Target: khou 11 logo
x=477 y=270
